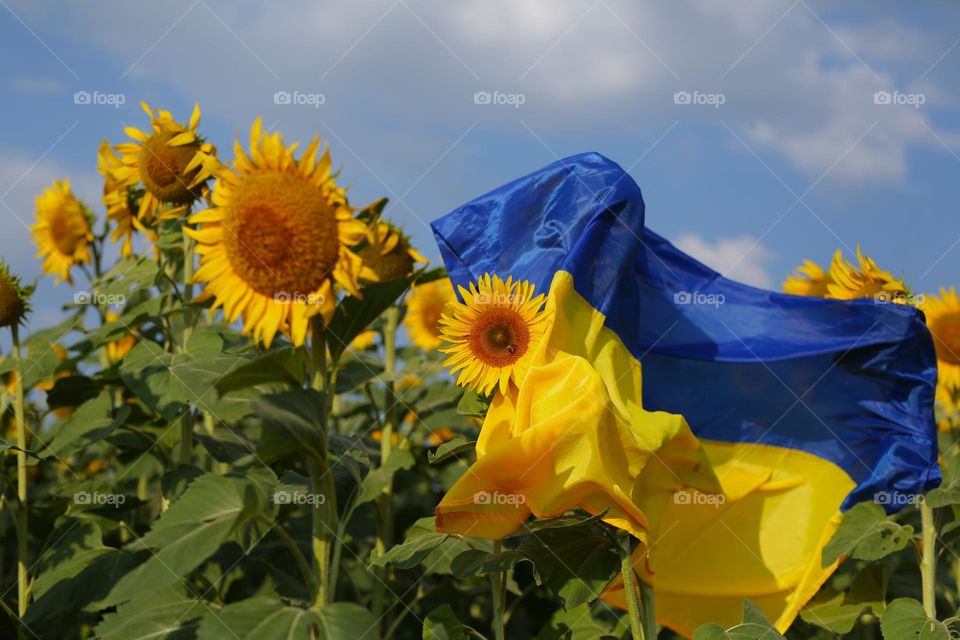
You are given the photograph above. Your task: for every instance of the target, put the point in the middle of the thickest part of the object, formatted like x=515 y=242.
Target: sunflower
x=493 y=332
x=62 y=231
x=943 y=319
x=119 y=200
x=388 y=253
x=364 y=340
x=278 y=239
x=425 y=307
x=808 y=279
x=171 y=162
x=118 y=349
x=14 y=298
x=847 y=282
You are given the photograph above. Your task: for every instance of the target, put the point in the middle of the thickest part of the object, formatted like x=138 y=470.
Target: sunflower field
x=271 y=417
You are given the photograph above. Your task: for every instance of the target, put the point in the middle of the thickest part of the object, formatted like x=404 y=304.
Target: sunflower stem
x=928 y=562
x=630 y=588
x=385 y=502
x=498 y=594
x=325 y=511
x=22 y=578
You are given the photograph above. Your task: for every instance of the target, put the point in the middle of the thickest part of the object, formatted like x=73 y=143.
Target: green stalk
x=22 y=578
x=384 y=519
x=324 y=515
x=187 y=422
x=928 y=561
x=498 y=594
x=649 y=618
x=629 y=587
x=301 y=561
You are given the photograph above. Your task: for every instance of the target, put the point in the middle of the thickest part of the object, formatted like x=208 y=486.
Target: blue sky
x=797 y=160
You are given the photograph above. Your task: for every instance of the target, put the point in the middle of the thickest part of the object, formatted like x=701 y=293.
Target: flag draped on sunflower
x=758 y=419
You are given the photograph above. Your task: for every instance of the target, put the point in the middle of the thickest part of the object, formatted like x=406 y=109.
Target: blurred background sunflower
x=62 y=230
x=943 y=319
x=425 y=308
x=278 y=239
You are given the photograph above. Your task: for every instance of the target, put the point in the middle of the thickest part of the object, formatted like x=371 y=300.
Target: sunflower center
x=281 y=234
x=62 y=234
x=392 y=266
x=499 y=337
x=11 y=305
x=163 y=168
x=946 y=337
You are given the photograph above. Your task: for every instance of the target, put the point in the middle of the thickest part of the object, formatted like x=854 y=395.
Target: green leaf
x=162 y=614
x=354 y=314
x=442 y=624
x=347 y=621
x=209 y=512
x=451 y=448
x=839 y=612
x=72 y=391
x=905 y=618
x=473 y=404
x=866 y=533
x=576 y=518
x=439 y=560
x=575 y=563
x=755 y=626
x=257 y=617
x=380 y=478
x=410 y=553
x=285 y=366
x=292 y=424
x=475 y=562
x=90 y=423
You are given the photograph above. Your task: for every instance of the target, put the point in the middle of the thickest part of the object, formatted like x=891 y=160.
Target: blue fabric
x=849 y=381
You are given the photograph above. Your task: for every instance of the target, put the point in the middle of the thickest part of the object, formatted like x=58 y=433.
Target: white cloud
x=739 y=258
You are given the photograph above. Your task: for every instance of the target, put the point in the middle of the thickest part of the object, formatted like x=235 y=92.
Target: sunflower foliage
x=243 y=423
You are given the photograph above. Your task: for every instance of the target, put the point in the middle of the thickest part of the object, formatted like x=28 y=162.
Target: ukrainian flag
x=798 y=408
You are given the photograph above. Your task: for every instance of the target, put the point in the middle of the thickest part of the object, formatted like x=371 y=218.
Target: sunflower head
x=14 y=298
x=386 y=250
x=491 y=335
x=847 y=282
x=278 y=239
x=425 y=308
x=171 y=162
x=118 y=349
x=62 y=230
x=943 y=318
x=809 y=279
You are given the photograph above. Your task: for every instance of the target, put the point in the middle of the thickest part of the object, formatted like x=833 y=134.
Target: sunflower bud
x=14 y=303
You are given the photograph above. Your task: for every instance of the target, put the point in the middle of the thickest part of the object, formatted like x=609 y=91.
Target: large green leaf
x=91 y=423
x=209 y=513
x=839 y=612
x=755 y=626
x=905 y=618
x=166 y=613
x=285 y=366
x=866 y=533
x=354 y=314
x=380 y=478
x=476 y=562
x=258 y=617
x=442 y=624
x=451 y=448
x=410 y=553
x=292 y=424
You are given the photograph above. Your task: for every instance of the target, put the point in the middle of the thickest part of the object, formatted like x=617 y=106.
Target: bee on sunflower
x=425 y=308
x=492 y=334
x=62 y=231
x=171 y=162
x=278 y=239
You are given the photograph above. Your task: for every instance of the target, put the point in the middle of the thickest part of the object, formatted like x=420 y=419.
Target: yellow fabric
x=762 y=541
x=722 y=521
x=574 y=434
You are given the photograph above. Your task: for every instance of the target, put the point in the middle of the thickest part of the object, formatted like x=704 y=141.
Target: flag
x=800 y=407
